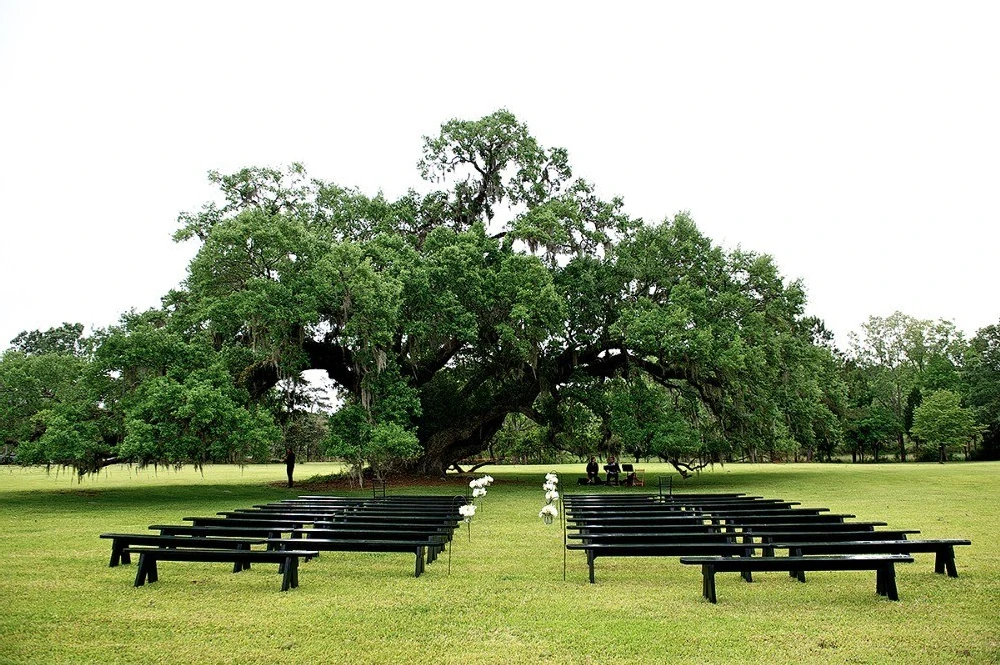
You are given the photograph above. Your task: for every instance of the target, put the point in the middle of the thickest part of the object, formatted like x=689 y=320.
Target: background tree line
x=506 y=311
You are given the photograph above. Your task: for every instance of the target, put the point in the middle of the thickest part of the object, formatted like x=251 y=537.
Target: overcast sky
x=855 y=142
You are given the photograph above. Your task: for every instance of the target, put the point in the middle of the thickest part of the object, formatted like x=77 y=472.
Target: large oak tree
x=504 y=286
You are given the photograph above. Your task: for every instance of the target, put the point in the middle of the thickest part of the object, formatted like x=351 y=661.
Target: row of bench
x=722 y=532
x=295 y=530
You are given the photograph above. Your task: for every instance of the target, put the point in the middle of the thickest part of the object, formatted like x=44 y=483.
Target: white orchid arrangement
x=467 y=511
x=479 y=485
x=549 y=512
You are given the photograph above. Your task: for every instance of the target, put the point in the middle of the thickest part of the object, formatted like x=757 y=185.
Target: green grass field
x=505 y=599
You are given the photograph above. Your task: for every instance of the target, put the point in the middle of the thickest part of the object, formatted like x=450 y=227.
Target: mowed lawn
x=505 y=599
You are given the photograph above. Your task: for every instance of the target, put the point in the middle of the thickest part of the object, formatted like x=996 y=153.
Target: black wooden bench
x=121 y=541
x=417 y=546
x=943 y=549
x=808 y=525
x=286 y=516
x=274 y=523
x=223 y=531
x=665 y=548
x=437 y=536
x=768 y=537
x=384 y=520
x=287 y=559
x=882 y=564
x=648 y=520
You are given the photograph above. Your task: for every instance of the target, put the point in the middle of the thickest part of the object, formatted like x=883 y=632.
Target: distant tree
x=651 y=421
x=50 y=412
x=521 y=440
x=981 y=380
x=175 y=398
x=899 y=353
x=35 y=388
x=306 y=433
x=913 y=400
x=941 y=420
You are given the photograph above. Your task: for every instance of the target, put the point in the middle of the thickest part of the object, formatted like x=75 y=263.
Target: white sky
x=856 y=142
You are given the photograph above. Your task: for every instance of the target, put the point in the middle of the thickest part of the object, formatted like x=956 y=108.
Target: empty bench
x=943 y=549
x=882 y=564
x=416 y=546
x=120 y=542
x=287 y=559
x=664 y=548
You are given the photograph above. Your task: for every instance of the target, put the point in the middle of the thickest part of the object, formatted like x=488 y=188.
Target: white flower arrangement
x=467 y=511
x=478 y=482
x=549 y=510
x=549 y=487
x=478 y=492
x=552 y=478
x=487 y=480
x=551 y=496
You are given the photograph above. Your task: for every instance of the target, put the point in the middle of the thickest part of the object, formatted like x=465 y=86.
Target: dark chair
x=629 y=471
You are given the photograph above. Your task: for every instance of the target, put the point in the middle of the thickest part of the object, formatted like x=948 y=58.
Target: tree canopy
x=501 y=290
x=506 y=287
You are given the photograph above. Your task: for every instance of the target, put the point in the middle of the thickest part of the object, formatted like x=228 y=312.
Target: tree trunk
x=446 y=447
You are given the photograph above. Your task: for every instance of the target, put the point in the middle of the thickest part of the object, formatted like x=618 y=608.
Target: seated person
x=592 y=471
x=612 y=469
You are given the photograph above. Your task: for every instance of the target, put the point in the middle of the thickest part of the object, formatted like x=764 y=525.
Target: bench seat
x=595 y=550
x=287 y=559
x=943 y=549
x=883 y=564
x=246 y=523
x=120 y=542
x=417 y=546
x=221 y=531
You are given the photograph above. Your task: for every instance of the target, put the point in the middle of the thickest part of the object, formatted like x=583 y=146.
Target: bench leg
x=800 y=575
x=944 y=559
x=240 y=565
x=146 y=571
x=747 y=575
x=118 y=555
x=419 y=565
x=708 y=582
x=289 y=570
x=886 y=582
x=590 y=564
x=140 y=573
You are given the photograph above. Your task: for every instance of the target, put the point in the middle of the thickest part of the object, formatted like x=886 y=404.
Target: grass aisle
x=505 y=599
